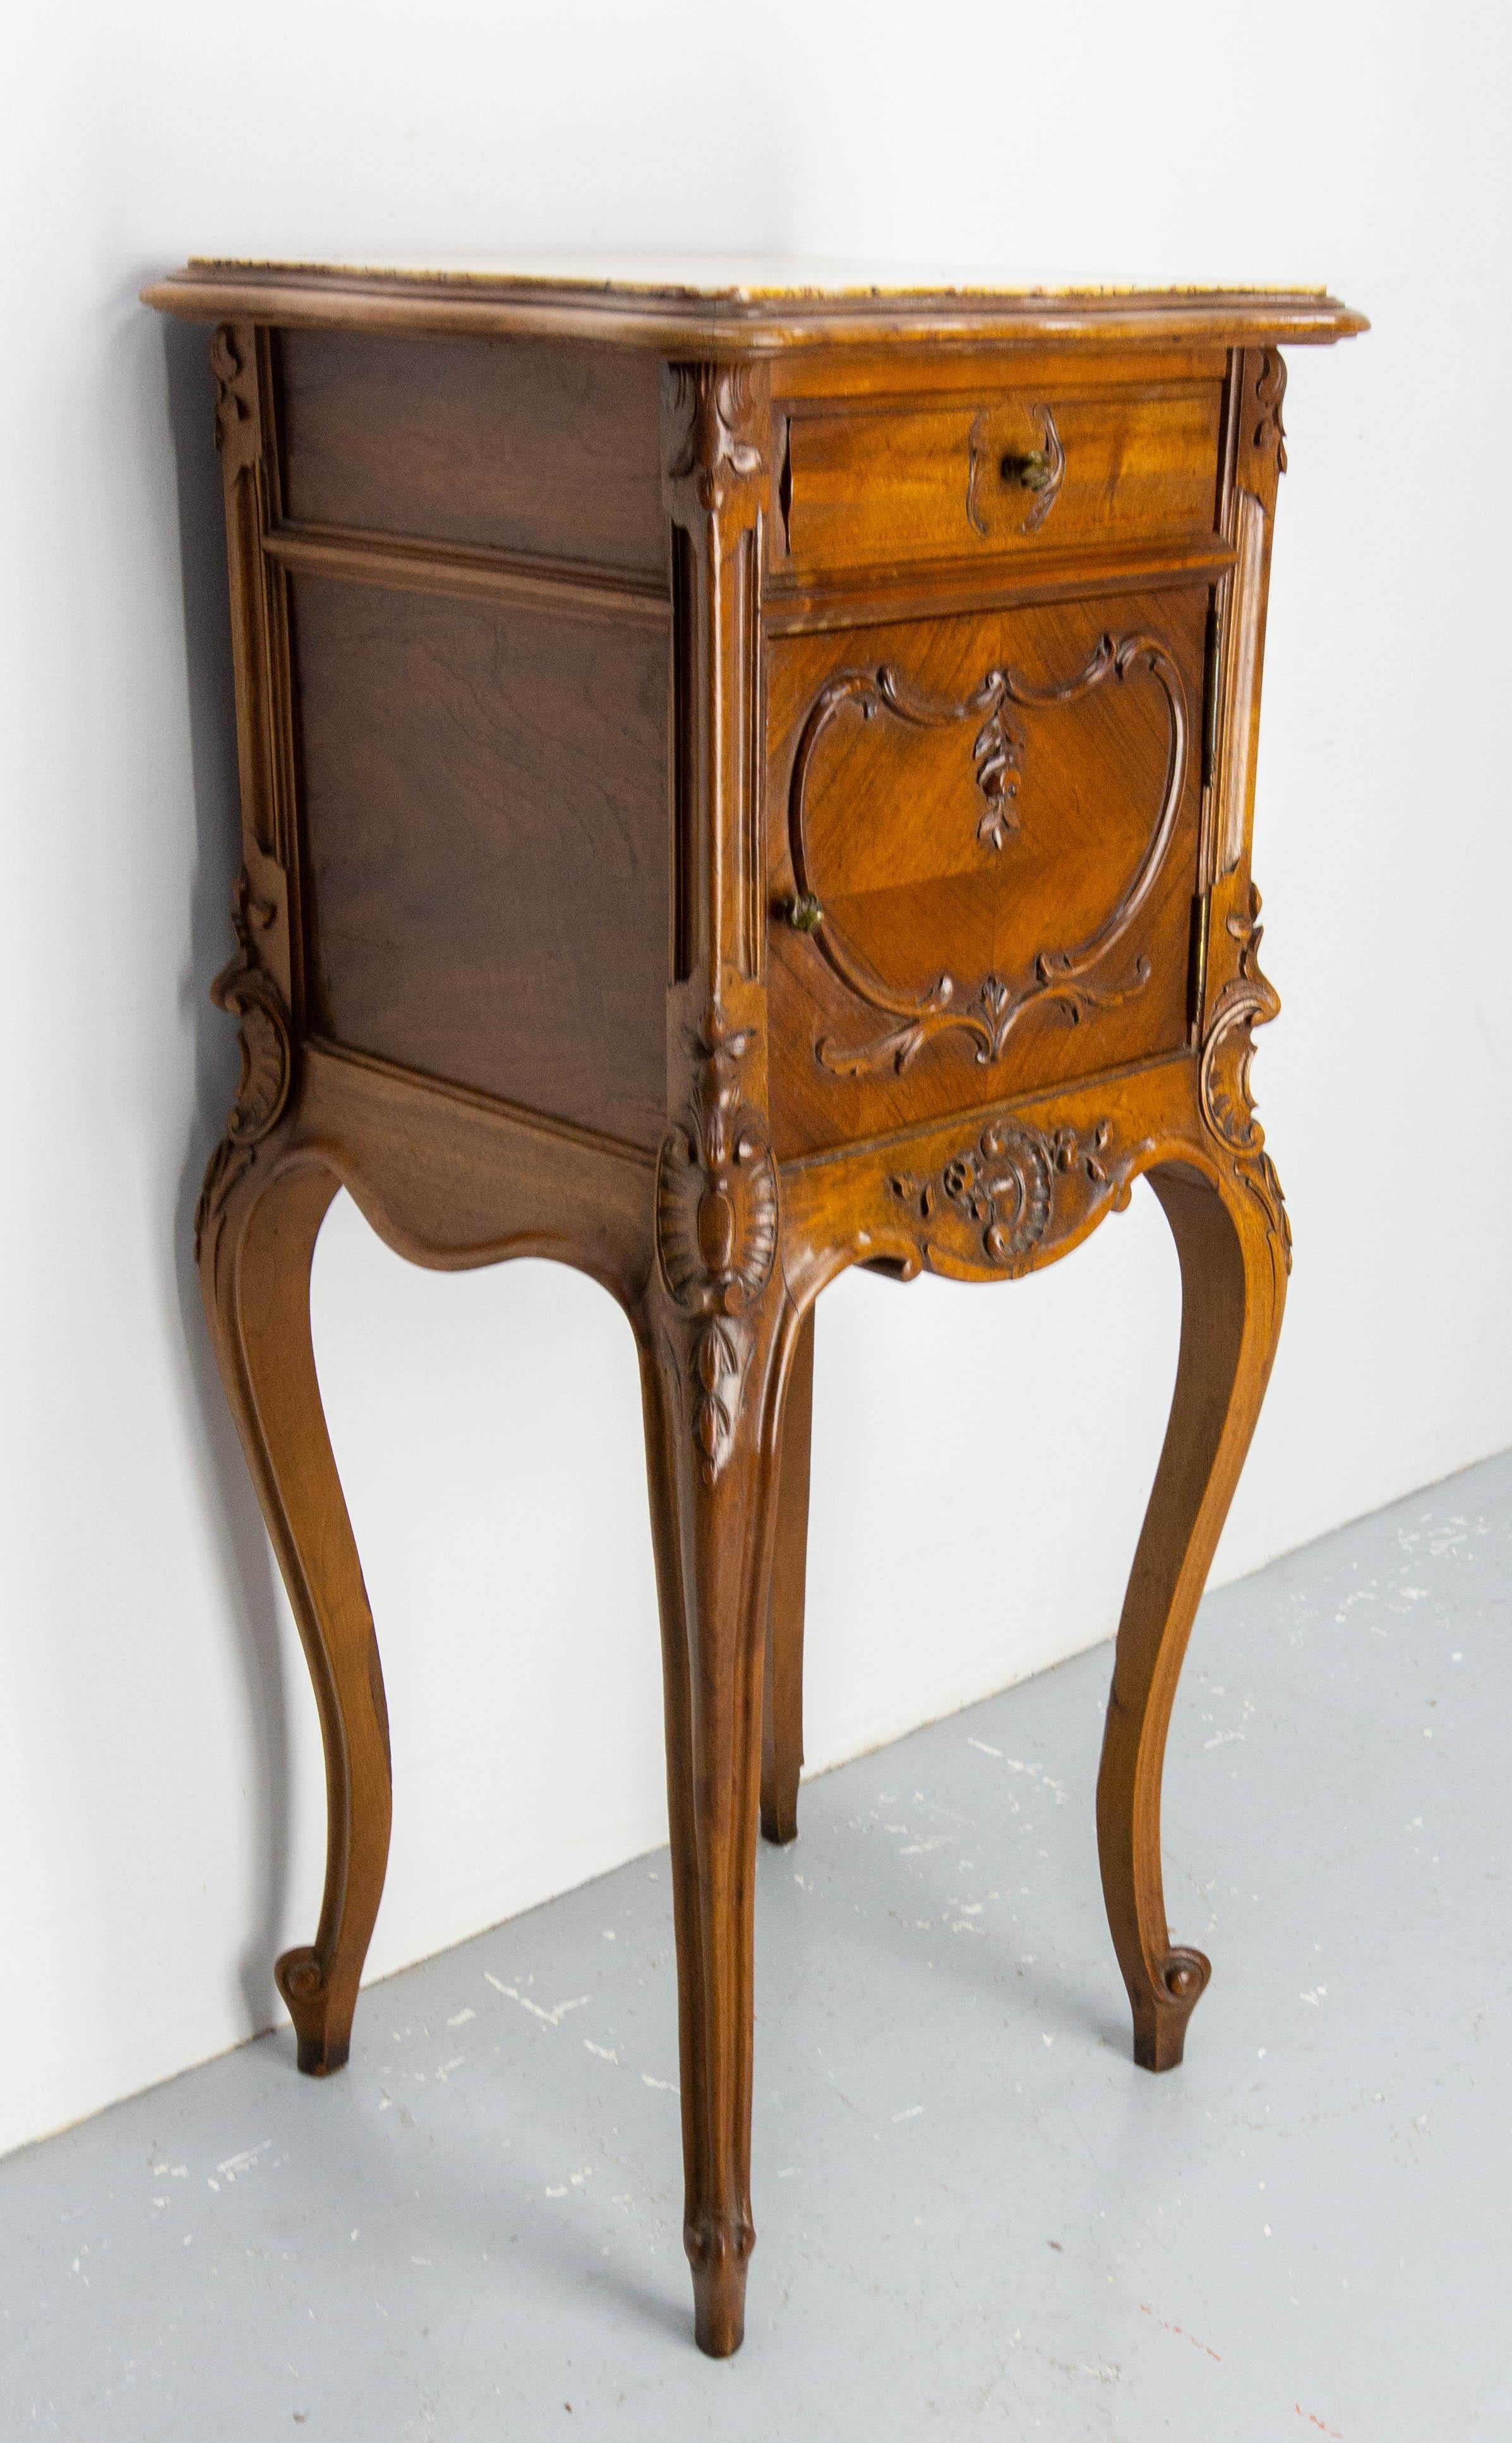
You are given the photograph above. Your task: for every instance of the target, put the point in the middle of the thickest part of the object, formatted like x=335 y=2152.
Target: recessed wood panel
x=1034 y=469
x=523 y=445
x=484 y=810
x=994 y=822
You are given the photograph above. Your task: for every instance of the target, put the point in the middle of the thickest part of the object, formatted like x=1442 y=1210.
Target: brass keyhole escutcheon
x=1040 y=472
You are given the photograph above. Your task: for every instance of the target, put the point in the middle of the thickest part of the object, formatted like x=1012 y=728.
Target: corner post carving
x=258 y=987
x=1248 y=1001
x=258 y=625
x=717 y=1188
x=1257 y=460
x=248 y=992
x=716 y=1325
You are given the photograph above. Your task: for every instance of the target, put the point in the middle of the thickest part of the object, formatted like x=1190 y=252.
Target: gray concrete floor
x=975 y=2217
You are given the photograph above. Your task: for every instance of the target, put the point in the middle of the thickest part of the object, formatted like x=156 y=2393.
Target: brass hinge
x=1197 y=970
x=1210 y=694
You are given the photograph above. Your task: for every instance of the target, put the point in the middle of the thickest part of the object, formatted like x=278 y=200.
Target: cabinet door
x=982 y=855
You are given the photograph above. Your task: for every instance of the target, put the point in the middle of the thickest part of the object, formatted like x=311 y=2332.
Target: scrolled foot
x=1160 y=2024
x=323 y=2030
x=718 y=2251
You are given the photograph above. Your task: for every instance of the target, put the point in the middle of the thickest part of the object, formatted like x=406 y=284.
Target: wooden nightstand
x=738 y=781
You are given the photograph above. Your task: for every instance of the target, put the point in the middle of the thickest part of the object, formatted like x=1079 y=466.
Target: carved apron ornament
x=995 y=1202
x=716 y=1232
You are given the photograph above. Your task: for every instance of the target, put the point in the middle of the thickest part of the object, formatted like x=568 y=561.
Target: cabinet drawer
x=1008 y=475
x=982 y=855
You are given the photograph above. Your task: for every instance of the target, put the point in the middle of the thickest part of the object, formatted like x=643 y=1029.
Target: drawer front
x=982 y=855
x=1010 y=475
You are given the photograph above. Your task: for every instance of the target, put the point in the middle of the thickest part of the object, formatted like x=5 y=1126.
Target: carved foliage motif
x=711 y=411
x=995 y=1202
x=1271 y=389
x=1059 y=977
x=237 y=436
x=248 y=993
x=717 y=1231
x=1228 y=1106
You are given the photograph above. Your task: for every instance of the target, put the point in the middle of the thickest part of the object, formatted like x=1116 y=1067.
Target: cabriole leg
x=258 y=1225
x=1232 y=1292
x=714 y=1522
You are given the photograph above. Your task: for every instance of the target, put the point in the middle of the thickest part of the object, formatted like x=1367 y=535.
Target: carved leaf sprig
x=998 y=755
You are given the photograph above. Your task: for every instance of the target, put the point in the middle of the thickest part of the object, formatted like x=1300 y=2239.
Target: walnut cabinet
x=740 y=781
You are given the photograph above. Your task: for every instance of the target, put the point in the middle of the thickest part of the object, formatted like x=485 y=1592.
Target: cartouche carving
x=1271 y=389
x=996 y=1202
x=712 y=409
x=1057 y=977
x=717 y=1231
x=244 y=989
x=1228 y=1049
x=237 y=434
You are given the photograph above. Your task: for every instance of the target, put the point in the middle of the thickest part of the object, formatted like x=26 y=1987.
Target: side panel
x=484 y=840
x=544 y=447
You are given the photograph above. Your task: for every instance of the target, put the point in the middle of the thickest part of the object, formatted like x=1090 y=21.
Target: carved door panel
x=982 y=855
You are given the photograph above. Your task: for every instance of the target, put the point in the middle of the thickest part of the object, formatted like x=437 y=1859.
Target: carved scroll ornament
x=246 y=992
x=1228 y=1049
x=1006 y=1197
x=1059 y=977
x=716 y=1232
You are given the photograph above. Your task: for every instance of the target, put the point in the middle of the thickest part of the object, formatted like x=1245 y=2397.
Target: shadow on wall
x=252 y=1599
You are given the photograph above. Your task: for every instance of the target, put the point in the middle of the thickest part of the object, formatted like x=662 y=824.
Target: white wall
x=159 y=1802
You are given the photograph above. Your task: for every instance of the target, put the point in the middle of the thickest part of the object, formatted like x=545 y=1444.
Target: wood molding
x=686 y=321
x=564 y=587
